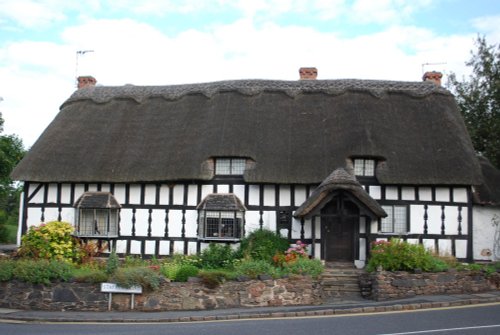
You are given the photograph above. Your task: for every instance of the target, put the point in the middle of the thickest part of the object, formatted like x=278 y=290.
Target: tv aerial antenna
x=427 y=64
x=80 y=53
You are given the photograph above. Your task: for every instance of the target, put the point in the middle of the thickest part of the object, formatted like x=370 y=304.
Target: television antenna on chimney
x=78 y=54
x=426 y=64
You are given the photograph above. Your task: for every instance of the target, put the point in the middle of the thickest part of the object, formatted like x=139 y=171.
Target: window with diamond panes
x=396 y=221
x=364 y=167
x=230 y=166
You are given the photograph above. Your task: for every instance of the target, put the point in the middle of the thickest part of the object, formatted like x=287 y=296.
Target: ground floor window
x=97 y=215
x=221 y=217
x=396 y=221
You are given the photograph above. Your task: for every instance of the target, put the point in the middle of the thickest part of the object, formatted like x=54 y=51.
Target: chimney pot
x=308 y=73
x=433 y=76
x=86 y=81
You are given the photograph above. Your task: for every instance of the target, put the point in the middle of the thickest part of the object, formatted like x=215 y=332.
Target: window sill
x=219 y=239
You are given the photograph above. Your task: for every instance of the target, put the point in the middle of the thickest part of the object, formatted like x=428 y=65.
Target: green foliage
x=7 y=269
x=170 y=270
x=137 y=275
x=186 y=271
x=254 y=268
x=478 y=99
x=304 y=266
x=89 y=274
x=42 y=271
x=11 y=152
x=52 y=240
x=112 y=263
x=263 y=245
x=218 y=256
x=397 y=255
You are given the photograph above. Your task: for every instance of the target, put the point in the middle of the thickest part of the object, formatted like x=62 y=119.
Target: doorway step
x=340 y=282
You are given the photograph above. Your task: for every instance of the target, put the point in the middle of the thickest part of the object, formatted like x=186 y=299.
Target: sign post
x=114 y=288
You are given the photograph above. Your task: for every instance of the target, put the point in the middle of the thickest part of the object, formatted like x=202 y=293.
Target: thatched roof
x=489 y=192
x=339 y=180
x=294 y=131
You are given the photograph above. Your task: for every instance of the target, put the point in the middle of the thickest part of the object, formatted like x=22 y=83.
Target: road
x=474 y=320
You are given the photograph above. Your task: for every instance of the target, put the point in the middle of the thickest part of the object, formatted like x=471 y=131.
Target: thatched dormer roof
x=294 y=131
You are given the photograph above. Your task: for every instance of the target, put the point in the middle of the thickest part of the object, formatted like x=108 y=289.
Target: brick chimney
x=86 y=81
x=433 y=76
x=308 y=73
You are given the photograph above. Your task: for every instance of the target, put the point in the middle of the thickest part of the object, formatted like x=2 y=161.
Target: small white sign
x=114 y=288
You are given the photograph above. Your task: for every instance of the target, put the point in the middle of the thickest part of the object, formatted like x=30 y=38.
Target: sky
x=46 y=44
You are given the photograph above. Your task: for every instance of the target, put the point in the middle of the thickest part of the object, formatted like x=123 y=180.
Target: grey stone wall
x=171 y=296
x=387 y=285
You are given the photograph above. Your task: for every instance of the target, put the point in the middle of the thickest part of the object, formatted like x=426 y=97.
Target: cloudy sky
x=161 y=42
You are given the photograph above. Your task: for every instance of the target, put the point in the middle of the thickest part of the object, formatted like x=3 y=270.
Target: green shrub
x=137 y=275
x=186 y=271
x=42 y=271
x=397 y=255
x=112 y=263
x=7 y=269
x=170 y=270
x=217 y=256
x=52 y=240
x=304 y=266
x=254 y=268
x=87 y=274
x=263 y=245
x=186 y=260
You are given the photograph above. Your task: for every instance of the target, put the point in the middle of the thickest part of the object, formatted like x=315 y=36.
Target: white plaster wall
x=178 y=194
x=190 y=228
x=251 y=221
x=150 y=194
x=391 y=193
x=253 y=195
x=66 y=194
x=375 y=192
x=141 y=222
x=442 y=194
x=408 y=193
x=269 y=218
x=484 y=233
x=126 y=222
x=460 y=194
x=164 y=247
x=285 y=193
x=223 y=188
x=269 y=195
x=425 y=193
x=37 y=197
x=300 y=195
x=119 y=194
x=193 y=195
x=164 y=194
x=175 y=223
x=239 y=191
x=135 y=194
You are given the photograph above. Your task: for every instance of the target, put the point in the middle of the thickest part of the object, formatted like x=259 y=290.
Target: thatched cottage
x=157 y=170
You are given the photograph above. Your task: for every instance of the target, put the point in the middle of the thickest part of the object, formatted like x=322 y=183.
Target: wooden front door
x=339 y=224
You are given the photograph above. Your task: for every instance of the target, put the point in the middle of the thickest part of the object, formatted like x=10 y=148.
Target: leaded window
x=97 y=215
x=364 y=167
x=221 y=217
x=230 y=166
x=396 y=221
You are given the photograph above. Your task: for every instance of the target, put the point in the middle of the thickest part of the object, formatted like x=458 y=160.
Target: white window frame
x=396 y=221
x=364 y=167
x=230 y=166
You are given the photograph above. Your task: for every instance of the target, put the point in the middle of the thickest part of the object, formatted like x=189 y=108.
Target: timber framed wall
x=161 y=218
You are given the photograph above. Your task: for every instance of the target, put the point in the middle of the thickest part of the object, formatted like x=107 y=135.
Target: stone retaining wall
x=170 y=296
x=395 y=285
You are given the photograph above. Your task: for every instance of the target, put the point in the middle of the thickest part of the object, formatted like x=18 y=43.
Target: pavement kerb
x=216 y=316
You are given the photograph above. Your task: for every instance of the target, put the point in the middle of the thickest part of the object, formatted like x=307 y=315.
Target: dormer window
x=230 y=166
x=364 y=167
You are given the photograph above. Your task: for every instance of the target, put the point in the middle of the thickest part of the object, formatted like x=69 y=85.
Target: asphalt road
x=474 y=320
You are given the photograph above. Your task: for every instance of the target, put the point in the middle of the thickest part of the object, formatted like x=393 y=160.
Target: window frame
x=237 y=166
x=392 y=215
x=363 y=168
x=238 y=218
x=110 y=222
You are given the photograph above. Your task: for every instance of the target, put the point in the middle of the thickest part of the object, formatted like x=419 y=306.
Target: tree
x=11 y=152
x=478 y=99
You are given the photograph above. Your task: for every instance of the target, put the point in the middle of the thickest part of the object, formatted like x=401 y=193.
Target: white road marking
x=442 y=330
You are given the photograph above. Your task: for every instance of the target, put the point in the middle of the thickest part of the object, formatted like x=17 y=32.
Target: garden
x=50 y=253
